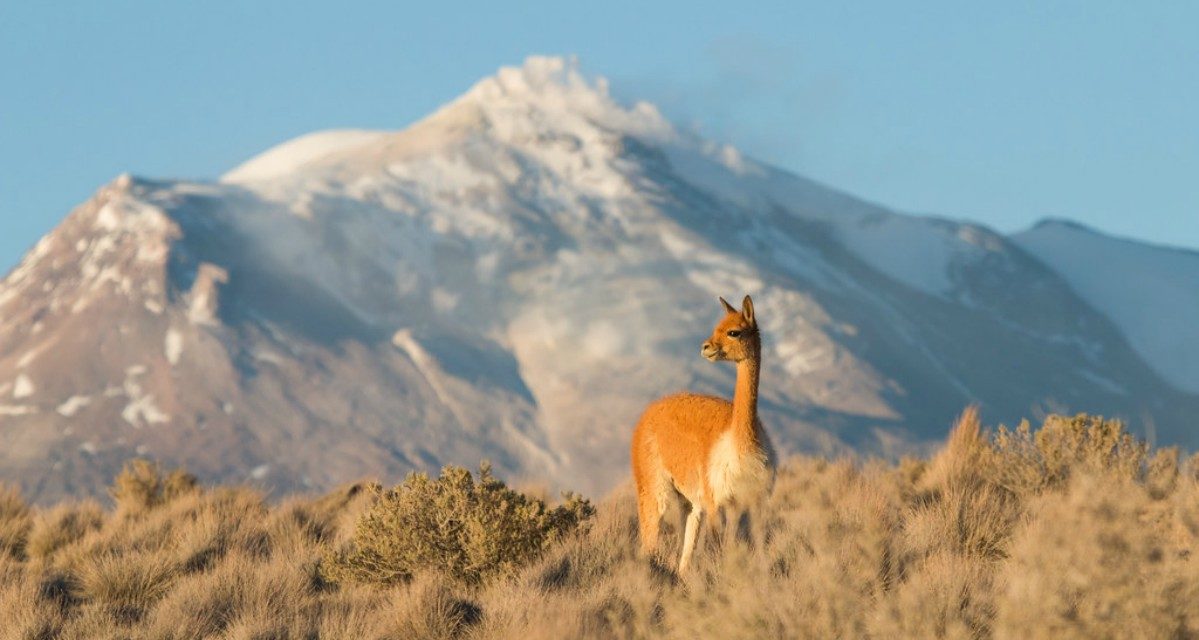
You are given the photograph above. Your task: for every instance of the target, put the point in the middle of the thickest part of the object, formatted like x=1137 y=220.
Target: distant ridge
x=513 y=277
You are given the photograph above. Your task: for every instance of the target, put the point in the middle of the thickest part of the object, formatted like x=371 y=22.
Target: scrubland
x=1072 y=530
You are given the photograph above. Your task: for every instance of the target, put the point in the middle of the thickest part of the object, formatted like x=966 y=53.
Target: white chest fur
x=733 y=475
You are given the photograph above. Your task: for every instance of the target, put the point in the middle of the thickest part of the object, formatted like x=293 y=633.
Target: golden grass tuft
x=15 y=521
x=62 y=525
x=125 y=587
x=142 y=485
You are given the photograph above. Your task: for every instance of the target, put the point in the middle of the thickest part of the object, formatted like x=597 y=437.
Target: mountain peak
x=1060 y=223
x=555 y=85
x=547 y=98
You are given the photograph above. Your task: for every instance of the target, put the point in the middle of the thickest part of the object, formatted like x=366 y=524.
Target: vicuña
x=711 y=451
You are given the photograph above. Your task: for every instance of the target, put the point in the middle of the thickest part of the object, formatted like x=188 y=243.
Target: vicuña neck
x=745 y=397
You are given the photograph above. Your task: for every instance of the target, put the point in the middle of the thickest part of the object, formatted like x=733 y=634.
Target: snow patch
x=260 y=471
x=73 y=405
x=262 y=355
x=429 y=368
x=32 y=354
x=914 y=251
x=23 y=387
x=204 y=294
x=290 y=156
x=107 y=218
x=81 y=304
x=173 y=346
x=445 y=301
x=1104 y=382
x=141 y=410
x=16 y=410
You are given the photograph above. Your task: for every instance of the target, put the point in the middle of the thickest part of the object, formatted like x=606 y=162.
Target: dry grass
x=1074 y=530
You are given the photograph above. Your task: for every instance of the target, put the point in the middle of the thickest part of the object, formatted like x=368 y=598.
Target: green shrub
x=468 y=529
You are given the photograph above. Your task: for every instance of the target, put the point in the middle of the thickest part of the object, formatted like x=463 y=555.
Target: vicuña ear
x=747 y=311
x=727 y=307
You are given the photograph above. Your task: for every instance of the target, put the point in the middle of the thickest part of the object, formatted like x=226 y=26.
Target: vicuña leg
x=692 y=529
x=714 y=527
x=649 y=516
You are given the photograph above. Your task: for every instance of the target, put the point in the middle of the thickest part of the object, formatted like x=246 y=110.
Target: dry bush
x=1089 y=443
x=946 y=595
x=430 y=607
x=1093 y=563
x=465 y=528
x=125 y=587
x=34 y=600
x=141 y=485
x=1026 y=461
x=354 y=611
x=15 y=521
x=62 y=525
x=248 y=595
x=211 y=525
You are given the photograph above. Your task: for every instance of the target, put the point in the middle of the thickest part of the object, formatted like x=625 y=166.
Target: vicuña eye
x=734 y=334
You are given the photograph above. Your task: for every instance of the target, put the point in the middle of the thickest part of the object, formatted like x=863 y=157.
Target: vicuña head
x=711 y=451
x=735 y=336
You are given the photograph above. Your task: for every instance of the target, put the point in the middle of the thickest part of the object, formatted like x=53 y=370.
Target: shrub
x=1025 y=461
x=125 y=586
x=62 y=525
x=141 y=486
x=1092 y=563
x=15 y=521
x=29 y=606
x=469 y=529
x=1089 y=442
x=241 y=596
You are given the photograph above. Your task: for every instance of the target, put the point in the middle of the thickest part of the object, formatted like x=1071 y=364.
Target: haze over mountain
x=515 y=276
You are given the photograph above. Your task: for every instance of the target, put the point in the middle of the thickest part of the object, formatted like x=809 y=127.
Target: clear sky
x=1002 y=113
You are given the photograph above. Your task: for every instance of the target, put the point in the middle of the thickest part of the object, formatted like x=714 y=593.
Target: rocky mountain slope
x=514 y=277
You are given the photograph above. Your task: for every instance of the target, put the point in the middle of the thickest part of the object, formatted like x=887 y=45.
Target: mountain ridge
x=512 y=278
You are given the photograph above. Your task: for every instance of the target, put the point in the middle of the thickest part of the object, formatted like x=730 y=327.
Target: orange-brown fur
x=708 y=449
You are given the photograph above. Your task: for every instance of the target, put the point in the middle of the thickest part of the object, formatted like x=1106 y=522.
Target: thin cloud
x=760 y=96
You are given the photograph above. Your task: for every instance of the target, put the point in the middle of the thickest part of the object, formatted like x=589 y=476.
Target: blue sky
x=1002 y=113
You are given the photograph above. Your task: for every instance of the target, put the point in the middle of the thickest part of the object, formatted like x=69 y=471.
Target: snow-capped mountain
x=515 y=276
